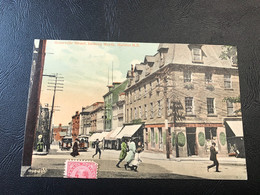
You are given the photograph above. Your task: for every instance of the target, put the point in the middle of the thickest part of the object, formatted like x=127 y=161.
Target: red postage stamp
x=81 y=169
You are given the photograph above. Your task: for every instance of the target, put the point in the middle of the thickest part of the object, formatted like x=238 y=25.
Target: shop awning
x=128 y=131
x=236 y=127
x=112 y=135
x=102 y=135
x=94 y=137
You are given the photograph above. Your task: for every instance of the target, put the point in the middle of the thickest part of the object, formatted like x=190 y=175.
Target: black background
x=178 y=21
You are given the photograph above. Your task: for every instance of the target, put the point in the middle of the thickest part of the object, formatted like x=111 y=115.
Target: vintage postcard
x=134 y=110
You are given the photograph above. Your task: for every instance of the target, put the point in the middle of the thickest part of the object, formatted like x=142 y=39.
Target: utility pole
x=163 y=76
x=54 y=86
x=34 y=101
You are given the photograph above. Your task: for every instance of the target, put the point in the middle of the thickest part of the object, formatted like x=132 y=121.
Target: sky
x=85 y=66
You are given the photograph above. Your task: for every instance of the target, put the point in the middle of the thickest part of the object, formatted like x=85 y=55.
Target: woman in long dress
x=75 y=149
x=131 y=154
x=135 y=163
x=123 y=152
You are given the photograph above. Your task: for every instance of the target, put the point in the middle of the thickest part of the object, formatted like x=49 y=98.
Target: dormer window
x=196 y=55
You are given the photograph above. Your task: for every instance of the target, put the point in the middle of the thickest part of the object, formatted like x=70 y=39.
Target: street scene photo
x=134 y=110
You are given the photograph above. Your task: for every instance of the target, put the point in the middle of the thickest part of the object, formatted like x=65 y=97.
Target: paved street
x=154 y=166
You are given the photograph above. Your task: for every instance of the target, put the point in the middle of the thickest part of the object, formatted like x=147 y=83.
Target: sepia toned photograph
x=134 y=110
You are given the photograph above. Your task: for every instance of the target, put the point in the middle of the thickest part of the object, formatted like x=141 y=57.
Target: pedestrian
x=213 y=157
x=97 y=146
x=123 y=152
x=131 y=154
x=135 y=163
x=75 y=149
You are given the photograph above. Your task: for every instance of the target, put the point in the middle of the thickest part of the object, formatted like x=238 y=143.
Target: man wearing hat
x=213 y=157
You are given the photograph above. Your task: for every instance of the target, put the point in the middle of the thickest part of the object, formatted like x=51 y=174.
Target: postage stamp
x=81 y=169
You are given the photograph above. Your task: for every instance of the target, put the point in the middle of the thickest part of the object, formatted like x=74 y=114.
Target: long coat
x=131 y=154
x=123 y=152
x=75 y=151
x=213 y=153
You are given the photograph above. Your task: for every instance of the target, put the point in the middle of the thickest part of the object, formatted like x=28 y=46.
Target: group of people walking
x=130 y=153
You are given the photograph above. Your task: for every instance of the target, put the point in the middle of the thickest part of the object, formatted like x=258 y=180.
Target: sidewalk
x=222 y=160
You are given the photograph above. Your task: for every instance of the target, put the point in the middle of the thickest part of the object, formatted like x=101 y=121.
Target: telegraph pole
x=56 y=86
x=163 y=76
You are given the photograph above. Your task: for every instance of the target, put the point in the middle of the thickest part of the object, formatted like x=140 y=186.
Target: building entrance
x=191 y=141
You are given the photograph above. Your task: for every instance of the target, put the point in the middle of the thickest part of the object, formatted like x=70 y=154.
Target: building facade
x=75 y=126
x=181 y=91
x=85 y=120
x=97 y=117
x=110 y=99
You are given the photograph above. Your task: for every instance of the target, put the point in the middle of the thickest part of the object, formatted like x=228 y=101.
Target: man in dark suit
x=213 y=157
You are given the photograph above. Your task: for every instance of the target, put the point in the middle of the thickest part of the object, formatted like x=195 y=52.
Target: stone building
x=180 y=91
x=85 y=120
x=97 y=117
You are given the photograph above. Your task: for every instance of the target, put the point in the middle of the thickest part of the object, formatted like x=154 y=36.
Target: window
x=210 y=106
x=168 y=106
x=130 y=98
x=139 y=93
x=131 y=114
x=135 y=113
x=135 y=95
x=159 y=109
x=145 y=111
x=208 y=77
x=152 y=138
x=189 y=105
x=140 y=112
x=157 y=82
x=160 y=138
x=187 y=76
x=127 y=115
x=210 y=133
x=151 y=110
x=145 y=91
x=196 y=55
x=227 y=81
x=230 y=110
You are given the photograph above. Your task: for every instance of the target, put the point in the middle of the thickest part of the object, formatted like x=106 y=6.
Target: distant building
x=183 y=86
x=43 y=126
x=75 y=125
x=97 y=117
x=59 y=132
x=110 y=99
x=85 y=120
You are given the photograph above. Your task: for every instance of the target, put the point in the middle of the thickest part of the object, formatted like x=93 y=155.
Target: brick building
x=75 y=125
x=183 y=87
x=59 y=132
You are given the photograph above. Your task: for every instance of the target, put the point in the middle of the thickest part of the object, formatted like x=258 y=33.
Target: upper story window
x=189 y=105
x=227 y=81
x=145 y=91
x=196 y=55
x=140 y=94
x=208 y=77
x=140 y=112
x=187 y=76
x=159 y=109
x=210 y=105
x=145 y=111
x=230 y=110
x=151 y=110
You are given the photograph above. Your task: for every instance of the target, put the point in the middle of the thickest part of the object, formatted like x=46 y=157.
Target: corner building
x=182 y=88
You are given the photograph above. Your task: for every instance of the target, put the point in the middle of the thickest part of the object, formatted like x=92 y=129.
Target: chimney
x=132 y=70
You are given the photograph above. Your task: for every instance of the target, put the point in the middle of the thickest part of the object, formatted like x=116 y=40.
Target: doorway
x=191 y=141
